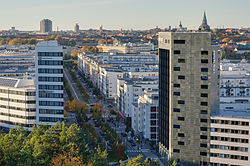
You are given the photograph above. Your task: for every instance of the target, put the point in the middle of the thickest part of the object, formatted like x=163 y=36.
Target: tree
x=72 y=42
x=74 y=54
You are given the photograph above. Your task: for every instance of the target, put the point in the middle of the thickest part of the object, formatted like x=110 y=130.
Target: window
x=181 y=135
x=203 y=153
x=204 y=78
x=204 y=69
x=204 y=86
x=204 y=60
x=179 y=41
x=203 y=128
x=181 y=77
x=177 y=52
x=181 y=118
x=177 y=85
x=177 y=93
x=204 y=52
x=203 y=111
x=203 y=137
x=176 y=110
x=204 y=103
x=203 y=145
x=181 y=60
x=181 y=102
x=176 y=126
x=177 y=68
x=204 y=94
x=180 y=143
x=203 y=121
x=176 y=150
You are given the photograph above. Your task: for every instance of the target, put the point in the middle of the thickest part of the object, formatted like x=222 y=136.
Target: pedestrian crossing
x=138 y=151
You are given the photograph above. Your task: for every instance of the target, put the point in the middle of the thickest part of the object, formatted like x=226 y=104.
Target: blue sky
x=126 y=14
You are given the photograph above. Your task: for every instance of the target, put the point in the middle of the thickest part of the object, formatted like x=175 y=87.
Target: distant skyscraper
x=49 y=83
x=185 y=101
x=204 y=26
x=45 y=25
x=76 y=28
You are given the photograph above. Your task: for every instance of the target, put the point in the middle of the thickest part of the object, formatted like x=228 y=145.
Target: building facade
x=49 y=83
x=187 y=63
x=45 y=26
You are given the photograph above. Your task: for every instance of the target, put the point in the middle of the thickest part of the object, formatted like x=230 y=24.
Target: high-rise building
x=49 y=83
x=204 y=26
x=76 y=28
x=187 y=69
x=45 y=26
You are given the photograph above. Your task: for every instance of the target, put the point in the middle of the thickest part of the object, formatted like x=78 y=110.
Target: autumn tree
x=74 y=54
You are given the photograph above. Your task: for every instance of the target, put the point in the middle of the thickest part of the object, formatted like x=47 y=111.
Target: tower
x=45 y=26
x=185 y=84
x=76 y=28
x=204 y=26
x=49 y=83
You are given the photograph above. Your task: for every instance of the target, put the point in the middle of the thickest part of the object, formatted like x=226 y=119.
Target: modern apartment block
x=45 y=26
x=229 y=144
x=49 y=83
x=17 y=103
x=188 y=92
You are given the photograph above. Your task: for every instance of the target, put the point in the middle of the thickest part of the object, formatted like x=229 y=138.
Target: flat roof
x=232 y=114
x=17 y=83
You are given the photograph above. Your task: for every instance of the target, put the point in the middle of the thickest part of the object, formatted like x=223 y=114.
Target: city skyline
x=125 y=14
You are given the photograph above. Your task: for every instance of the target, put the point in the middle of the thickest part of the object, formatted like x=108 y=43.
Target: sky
x=125 y=14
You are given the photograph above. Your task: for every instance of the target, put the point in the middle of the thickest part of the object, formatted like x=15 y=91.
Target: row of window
x=201 y=111
x=51 y=103
x=230 y=122
x=16 y=123
x=233 y=131
x=202 y=86
x=50 y=95
x=217 y=138
x=50 y=54
x=50 y=111
x=236 y=157
x=50 y=71
x=17 y=92
x=50 y=79
x=49 y=119
x=225 y=147
x=50 y=87
x=18 y=101
x=50 y=62
x=18 y=116
x=178 y=150
x=18 y=108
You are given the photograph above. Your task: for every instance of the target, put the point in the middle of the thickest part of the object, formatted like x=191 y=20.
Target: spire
x=204 y=21
x=180 y=24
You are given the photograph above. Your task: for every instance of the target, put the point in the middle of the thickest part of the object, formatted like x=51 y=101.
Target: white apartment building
x=17 y=103
x=129 y=90
x=49 y=83
x=229 y=144
x=144 y=116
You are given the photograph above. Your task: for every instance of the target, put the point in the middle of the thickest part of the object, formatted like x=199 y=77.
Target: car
x=130 y=141
x=133 y=144
x=124 y=134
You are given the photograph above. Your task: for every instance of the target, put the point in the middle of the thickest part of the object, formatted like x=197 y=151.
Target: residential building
x=188 y=92
x=229 y=144
x=144 y=116
x=45 y=26
x=17 y=103
x=49 y=83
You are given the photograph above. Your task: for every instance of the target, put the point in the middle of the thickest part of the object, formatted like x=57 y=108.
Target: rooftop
x=16 y=83
x=232 y=114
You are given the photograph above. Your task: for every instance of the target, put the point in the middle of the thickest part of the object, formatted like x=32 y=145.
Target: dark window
x=181 y=102
x=176 y=150
x=181 y=77
x=204 y=103
x=203 y=112
x=203 y=137
x=177 y=85
x=204 y=60
x=204 y=86
x=203 y=145
x=179 y=41
x=176 y=126
x=181 y=118
x=181 y=60
x=204 y=94
x=181 y=135
x=204 y=69
x=180 y=143
x=204 y=78
x=177 y=68
x=203 y=153
x=177 y=52
x=177 y=93
x=203 y=120
x=176 y=110
x=204 y=52
x=203 y=128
